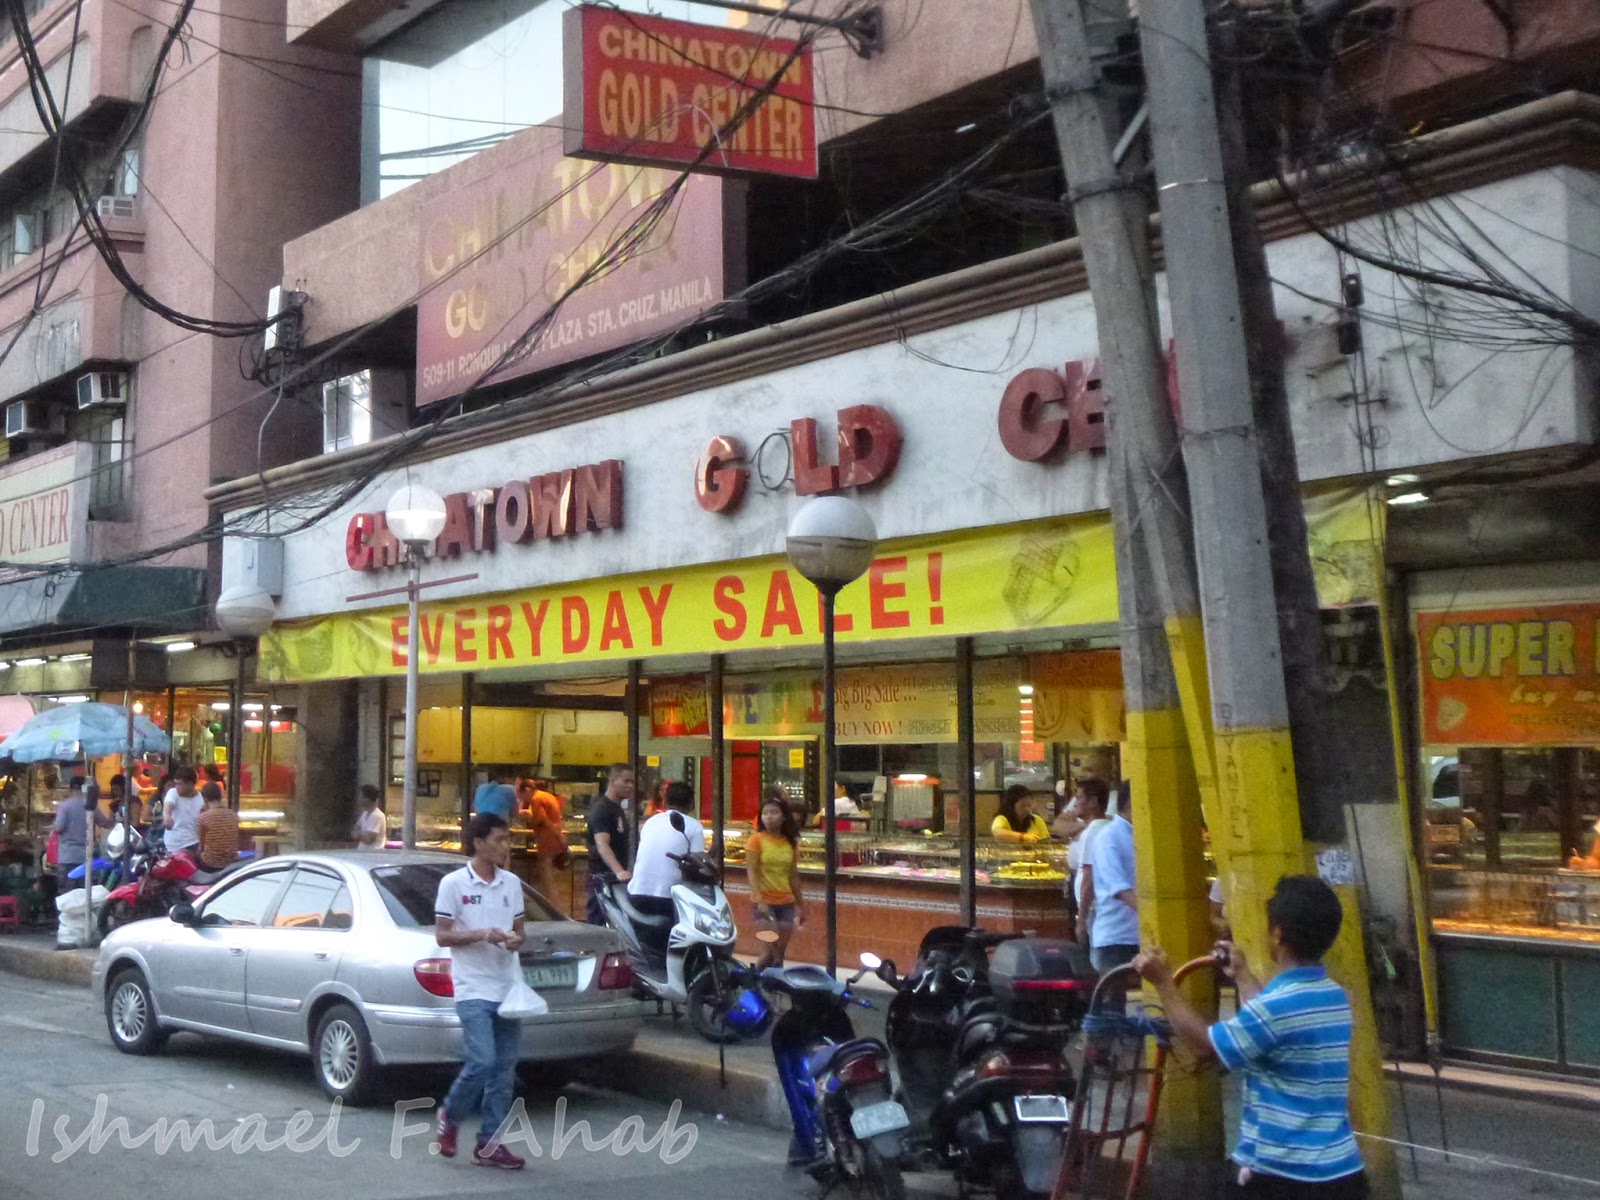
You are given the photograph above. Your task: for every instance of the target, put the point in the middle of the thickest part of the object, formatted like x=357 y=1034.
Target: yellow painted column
x=1173 y=913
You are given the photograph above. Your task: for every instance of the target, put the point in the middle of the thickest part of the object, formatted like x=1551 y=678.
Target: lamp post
x=416 y=516
x=244 y=612
x=831 y=542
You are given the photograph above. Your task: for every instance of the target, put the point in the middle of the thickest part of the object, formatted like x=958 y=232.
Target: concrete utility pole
x=1257 y=822
x=1157 y=595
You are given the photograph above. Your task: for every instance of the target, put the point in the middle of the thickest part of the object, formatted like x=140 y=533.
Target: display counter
x=1519 y=965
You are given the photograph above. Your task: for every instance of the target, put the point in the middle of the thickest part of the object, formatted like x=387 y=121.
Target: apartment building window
x=110 y=457
x=347 y=412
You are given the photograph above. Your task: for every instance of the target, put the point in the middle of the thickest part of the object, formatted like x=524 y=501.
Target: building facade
x=611 y=585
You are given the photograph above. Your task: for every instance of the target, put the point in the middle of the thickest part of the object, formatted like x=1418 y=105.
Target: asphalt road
x=59 y=1065
x=60 y=1069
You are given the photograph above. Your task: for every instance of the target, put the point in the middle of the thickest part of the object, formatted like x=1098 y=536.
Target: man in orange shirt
x=218 y=826
x=544 y=821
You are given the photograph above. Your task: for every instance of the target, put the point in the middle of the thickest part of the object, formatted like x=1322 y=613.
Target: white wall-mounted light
x=31 y=662
x=1404 y=479
x=71 y=699
x=66 y=658
x=1025 y=689
x=179 y=647
x=1409 y=498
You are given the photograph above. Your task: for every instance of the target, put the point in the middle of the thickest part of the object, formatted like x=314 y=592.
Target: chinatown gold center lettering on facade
x=555 y=505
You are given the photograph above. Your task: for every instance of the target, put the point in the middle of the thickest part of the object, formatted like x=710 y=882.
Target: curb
x=74 y=967
x=753 y=1097
x=1501 y=1083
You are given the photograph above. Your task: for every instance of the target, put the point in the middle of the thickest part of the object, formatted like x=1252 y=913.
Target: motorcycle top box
x=1042 y=982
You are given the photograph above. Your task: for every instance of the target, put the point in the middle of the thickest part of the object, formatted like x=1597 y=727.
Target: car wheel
x=131 y=1014
x=341 y=1053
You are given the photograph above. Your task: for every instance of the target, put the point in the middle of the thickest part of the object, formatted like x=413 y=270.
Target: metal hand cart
x=1119 y=1094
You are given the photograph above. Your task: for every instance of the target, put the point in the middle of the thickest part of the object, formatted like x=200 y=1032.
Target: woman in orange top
x=771 y=856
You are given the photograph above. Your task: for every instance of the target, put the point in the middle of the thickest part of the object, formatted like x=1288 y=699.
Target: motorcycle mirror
x=768 y=936
x=870 y=961
x=888 y=973
x=183 y=914
x=676 y=818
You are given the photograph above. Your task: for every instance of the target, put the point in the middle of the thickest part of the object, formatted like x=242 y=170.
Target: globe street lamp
x=416 y=516
x=244 y=612
x=831 y=542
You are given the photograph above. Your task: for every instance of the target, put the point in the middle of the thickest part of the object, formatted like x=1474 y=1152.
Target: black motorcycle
x=979 y=1043
x=847 y=1126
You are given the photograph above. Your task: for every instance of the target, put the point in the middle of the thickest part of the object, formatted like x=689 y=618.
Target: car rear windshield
x=409 y=892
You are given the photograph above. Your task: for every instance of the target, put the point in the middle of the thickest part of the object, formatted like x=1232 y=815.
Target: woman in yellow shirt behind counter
x=771 y=856
x=1017 y=821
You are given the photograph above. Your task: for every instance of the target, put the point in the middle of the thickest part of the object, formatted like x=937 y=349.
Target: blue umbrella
x=75 y=731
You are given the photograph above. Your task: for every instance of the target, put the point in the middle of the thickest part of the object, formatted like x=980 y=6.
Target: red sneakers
x=498 y=1157
x=445 y=1135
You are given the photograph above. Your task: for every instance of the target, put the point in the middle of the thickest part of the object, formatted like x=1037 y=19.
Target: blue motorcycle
x=848 y=1128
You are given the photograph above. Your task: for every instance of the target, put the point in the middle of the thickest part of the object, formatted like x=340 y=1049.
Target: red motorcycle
x=160 y=880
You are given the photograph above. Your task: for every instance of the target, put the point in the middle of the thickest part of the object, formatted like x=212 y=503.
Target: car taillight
x=615 y=973
x=868 y=1068
x=434 y=976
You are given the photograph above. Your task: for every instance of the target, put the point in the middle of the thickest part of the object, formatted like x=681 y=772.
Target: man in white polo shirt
x=479 y=917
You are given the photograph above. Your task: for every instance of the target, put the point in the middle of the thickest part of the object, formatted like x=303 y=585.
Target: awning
x=145 y=600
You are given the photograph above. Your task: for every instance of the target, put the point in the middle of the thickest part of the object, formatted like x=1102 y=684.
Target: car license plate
x=1051 y=1109
x=550 y=975
x=878 y=1118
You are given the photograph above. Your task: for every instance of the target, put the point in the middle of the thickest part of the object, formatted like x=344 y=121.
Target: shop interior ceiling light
x=179 y=647
x=1409 y=498
x=1403 y=480
x=31 y=662
x=66 y=658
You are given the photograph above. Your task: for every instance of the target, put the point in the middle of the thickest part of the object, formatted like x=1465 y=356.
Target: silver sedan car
x=333 y=954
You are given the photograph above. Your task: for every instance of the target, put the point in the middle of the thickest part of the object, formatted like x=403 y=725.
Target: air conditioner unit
x=28 y=418
x=114 y=206
x=102 y=389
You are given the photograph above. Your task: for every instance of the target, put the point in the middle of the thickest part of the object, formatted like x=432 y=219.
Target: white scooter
x=692 y=965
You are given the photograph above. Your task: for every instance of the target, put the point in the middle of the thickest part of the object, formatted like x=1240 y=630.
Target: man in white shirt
x=1089 y=804
x=479 y=916
x=654 y=874
x=372 y=825
x=181 y=812
x=1113 y=917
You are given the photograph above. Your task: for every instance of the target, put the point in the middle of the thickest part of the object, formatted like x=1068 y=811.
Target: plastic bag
x=522 y=1002
x=52 y=849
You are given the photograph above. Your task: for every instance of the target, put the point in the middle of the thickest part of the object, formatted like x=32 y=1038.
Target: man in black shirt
x=608 y=837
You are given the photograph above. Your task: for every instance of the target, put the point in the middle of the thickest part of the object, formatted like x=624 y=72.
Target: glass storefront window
x=1508 y=835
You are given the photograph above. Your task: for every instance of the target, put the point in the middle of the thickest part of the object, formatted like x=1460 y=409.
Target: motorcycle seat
x=649 y=920
x=204 y=876
x=803 y=978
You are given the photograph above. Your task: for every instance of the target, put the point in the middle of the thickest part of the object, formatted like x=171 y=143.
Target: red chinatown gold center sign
x=648 y=90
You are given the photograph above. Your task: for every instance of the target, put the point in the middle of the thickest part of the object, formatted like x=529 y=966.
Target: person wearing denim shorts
x=479 y=917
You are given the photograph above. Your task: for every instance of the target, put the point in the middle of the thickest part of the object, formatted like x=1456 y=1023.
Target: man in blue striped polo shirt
x=1291 y=1038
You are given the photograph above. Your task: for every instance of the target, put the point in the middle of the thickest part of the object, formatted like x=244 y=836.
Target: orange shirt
x=544 y=816
x=219 y=836
x=771 y=864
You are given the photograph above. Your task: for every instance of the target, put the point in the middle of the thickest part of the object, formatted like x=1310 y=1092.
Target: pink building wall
x=240 y=155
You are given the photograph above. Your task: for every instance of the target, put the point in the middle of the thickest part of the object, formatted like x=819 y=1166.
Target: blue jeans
x=486 y=1078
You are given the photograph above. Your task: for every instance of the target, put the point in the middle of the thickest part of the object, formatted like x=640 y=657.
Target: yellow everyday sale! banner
x=1037 y=575
x=1042 y=574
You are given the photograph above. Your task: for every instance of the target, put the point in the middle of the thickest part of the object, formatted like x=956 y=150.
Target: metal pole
x=408 y=820
x=236 y=728
x=830 y=763
x=719 y=790
x=965 y=757
x=630 y=706
x=127 y=771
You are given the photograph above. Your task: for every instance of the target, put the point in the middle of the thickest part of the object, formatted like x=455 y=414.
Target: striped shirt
x=1292 y=1041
